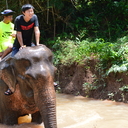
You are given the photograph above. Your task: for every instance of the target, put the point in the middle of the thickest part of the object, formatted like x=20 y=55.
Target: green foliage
x=102 y=19
x=113 y=57
x=105 y=19
x=70 y=51
x=120 y=64
x=89 y=87
x=124 y=88
x=82 y=29
x=111 y=95
x=118 y=68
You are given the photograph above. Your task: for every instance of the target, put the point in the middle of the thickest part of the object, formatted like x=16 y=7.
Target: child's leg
x=14 y=51
x=6 y=52
x=1 y=53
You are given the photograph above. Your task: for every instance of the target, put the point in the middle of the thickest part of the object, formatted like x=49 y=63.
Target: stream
x=81 y=112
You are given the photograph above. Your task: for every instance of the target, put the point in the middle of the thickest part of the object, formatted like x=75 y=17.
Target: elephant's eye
x=27 y=68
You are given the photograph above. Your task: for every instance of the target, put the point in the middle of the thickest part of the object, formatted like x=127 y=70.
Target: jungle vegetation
x=78 y=29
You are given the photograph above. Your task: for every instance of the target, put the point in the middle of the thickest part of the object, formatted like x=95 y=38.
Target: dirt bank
x=88 y=80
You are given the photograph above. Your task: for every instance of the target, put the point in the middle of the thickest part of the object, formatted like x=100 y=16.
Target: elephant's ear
x=8 y=74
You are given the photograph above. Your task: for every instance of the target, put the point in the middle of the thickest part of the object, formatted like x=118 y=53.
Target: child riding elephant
x=7 y=33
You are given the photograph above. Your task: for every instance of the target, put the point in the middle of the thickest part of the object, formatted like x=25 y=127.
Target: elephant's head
x=32 y=68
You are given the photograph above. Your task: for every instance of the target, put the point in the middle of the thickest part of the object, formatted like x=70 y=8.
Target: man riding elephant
x=25 y=25
x=30 y=75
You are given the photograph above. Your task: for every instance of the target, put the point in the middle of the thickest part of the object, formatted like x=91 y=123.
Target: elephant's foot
x=8 y=92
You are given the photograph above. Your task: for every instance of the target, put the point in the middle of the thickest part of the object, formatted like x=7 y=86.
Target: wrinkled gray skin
x=30 y=77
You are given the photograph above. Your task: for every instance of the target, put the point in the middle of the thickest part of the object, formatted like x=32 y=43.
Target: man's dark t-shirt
x=26 y=28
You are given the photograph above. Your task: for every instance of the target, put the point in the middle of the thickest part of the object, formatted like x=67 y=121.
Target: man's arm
x=19 y=37
x=37 y=35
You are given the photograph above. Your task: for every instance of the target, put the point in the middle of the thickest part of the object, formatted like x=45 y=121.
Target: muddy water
x=80 y=112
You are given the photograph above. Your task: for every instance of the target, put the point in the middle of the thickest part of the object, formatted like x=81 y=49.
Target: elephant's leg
x=10 y=118
x=36 y=117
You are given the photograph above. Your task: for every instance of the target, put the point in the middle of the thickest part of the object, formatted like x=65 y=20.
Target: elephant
x=30 y=76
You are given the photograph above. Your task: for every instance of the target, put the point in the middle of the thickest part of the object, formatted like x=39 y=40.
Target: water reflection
x=80 y=112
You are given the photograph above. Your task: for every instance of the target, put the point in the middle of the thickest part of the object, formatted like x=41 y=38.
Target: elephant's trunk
x=46 y=101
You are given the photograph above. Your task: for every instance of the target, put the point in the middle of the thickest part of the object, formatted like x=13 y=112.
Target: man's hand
x=39 y=44
x=22 y=47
